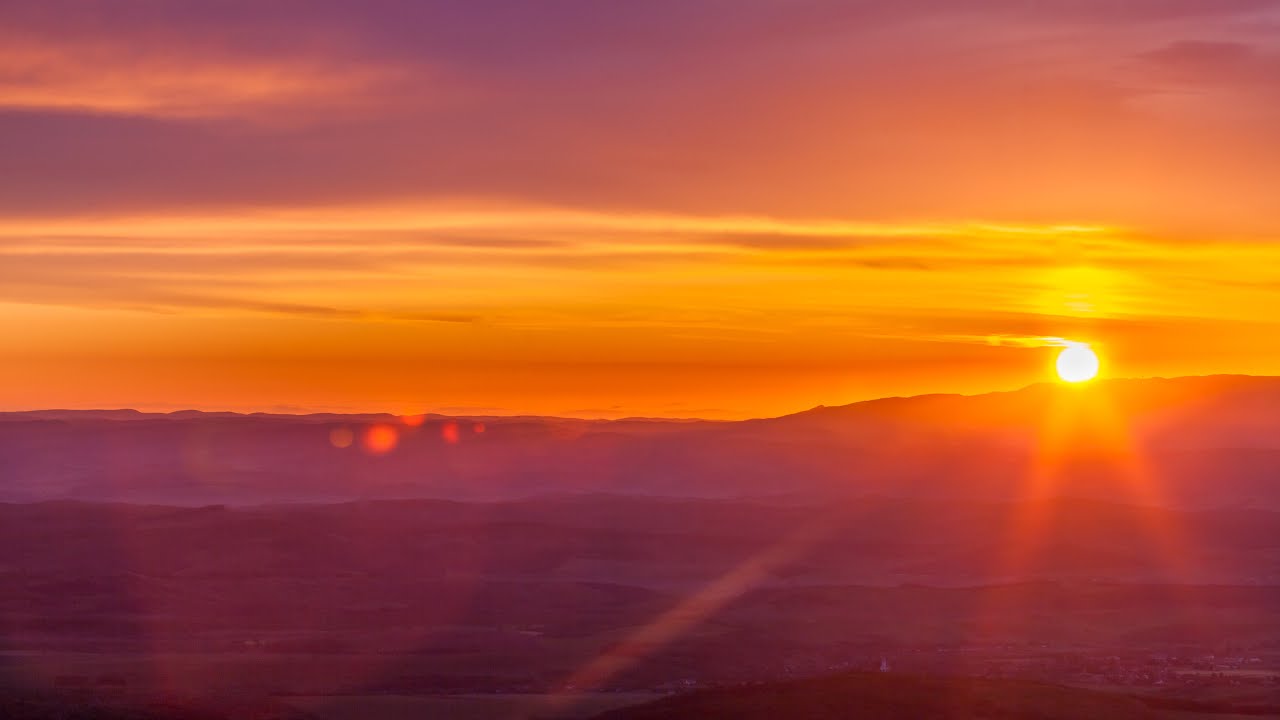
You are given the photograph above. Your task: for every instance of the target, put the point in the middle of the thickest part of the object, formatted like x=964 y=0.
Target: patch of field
x=1191 y=715
x=503 y=706
x=215 y=674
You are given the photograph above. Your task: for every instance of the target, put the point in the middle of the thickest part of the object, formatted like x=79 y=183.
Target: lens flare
x=449 y=431
x=341 y=437
x=380 y=439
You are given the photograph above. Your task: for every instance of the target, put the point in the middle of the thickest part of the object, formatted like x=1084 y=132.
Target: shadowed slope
x=890 y=697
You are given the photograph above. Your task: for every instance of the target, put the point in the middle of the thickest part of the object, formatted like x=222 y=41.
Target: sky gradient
x=717 y=209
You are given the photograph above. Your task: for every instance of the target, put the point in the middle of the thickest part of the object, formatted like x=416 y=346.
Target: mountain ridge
x=1197 y=441
x=193 y=413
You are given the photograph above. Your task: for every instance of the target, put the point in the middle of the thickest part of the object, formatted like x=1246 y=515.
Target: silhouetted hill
x=1202 y=411
x=1186 y=442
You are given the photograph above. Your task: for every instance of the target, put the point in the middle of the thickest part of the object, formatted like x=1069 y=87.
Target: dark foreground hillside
x=23 y=705
x=875 y=696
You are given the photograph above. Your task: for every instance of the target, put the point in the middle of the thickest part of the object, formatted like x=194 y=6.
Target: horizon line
x=436 y=414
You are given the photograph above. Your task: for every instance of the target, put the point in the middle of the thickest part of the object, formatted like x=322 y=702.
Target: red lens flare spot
x=449 y=431
x=380 y=439
x=478 y=428
x=341 y=437
x=413 y=420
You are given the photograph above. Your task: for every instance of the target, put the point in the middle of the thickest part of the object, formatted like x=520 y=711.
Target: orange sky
x=669 y=208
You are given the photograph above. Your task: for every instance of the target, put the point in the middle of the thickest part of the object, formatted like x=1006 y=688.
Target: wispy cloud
x=102 y=76
x=697 y=279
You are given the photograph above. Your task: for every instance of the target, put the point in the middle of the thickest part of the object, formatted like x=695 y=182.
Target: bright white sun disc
x=1077 y=363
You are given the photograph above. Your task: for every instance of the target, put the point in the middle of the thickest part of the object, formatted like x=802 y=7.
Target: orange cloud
x=109 y=77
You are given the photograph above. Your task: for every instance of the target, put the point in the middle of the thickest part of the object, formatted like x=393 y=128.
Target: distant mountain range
x=1194 y=442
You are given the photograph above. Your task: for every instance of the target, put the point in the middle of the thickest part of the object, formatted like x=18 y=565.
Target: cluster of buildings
x=1151 y=670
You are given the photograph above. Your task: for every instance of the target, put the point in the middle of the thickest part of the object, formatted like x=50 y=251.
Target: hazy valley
x=204 y=555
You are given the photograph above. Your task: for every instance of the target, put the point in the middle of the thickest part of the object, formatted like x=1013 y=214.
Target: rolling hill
x=1187 y=442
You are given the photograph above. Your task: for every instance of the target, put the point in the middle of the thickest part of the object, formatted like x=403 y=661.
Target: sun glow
x=1077 y=363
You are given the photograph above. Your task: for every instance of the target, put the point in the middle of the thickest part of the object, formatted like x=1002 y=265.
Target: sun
x=1077 y=363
